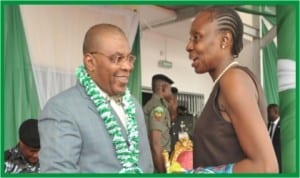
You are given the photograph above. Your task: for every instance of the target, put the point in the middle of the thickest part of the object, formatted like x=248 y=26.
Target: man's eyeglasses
x=117 y=58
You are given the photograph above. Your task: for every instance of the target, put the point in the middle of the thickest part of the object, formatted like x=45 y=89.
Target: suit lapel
x=89 y=102
x=93 y=108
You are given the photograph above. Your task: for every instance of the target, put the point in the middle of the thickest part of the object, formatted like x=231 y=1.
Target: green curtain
x=270 y=70
x=135 y=82
x=286 y=32
x=21 y=99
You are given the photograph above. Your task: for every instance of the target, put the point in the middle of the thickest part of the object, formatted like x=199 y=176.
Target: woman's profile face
x=204 y=44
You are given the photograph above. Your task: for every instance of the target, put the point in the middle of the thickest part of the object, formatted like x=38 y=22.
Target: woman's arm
x=239 y=99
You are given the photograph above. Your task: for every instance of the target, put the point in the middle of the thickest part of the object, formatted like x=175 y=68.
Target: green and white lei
x=127 y=155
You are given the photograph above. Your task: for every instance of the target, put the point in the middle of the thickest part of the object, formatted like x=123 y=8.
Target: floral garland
x=127 y=155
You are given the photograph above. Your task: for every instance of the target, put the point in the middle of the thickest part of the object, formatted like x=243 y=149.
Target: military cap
x=162 y=77
x=28 y=133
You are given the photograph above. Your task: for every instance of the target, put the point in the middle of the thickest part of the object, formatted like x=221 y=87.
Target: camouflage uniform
x=16 y=163
x=158 y=118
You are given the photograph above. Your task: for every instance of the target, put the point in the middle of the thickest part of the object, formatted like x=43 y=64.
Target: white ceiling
x=166 y=20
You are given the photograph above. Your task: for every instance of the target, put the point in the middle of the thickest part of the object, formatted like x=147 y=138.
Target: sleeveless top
x=215 y=140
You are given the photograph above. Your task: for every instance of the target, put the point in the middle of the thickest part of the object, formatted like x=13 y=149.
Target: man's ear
x=89 y=62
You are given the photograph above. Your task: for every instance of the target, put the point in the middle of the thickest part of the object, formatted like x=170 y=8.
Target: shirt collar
x=276 y=121
x=117 y=98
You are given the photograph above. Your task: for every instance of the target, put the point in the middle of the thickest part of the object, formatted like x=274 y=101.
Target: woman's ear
x=89 y=62
x=226 y=39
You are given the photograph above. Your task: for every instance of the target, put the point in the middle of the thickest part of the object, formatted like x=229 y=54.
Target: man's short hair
x=28 y=133
x=273 y=105
x=174 y=90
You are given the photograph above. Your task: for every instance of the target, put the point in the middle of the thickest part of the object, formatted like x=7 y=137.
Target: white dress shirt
x=273 y=127
x=118 y=108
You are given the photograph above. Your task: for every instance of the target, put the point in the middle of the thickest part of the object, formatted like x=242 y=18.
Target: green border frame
x=295 y=3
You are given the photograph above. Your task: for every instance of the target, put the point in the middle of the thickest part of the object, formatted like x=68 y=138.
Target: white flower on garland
x=127 y=155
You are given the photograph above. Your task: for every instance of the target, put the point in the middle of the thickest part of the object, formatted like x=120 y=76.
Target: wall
x=55 y=35
x=182 y=73
x=55 y=32
x=50 y=28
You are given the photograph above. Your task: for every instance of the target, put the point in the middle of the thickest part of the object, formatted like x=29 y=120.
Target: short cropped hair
x=273 y=105
x=28 y=133
x=174 y=90
x=89 y=39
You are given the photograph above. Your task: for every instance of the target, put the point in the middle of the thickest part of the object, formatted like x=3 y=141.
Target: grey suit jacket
x=74 y=138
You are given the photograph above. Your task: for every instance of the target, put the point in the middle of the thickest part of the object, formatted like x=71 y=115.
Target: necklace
x=225 y=70
x=127 y=152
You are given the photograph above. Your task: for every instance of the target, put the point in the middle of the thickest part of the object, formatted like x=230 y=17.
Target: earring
x=223 y=46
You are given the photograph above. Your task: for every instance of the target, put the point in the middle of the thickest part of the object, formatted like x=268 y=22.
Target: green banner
x=135 y=81
x=286 y=32
x=270 y=70
x=21 y=99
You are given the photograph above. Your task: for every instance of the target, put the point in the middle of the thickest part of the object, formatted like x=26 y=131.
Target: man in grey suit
x=97 y=126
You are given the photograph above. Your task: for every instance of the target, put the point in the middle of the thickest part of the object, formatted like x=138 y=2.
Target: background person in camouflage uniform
x=23 y=158
x=158 y=119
